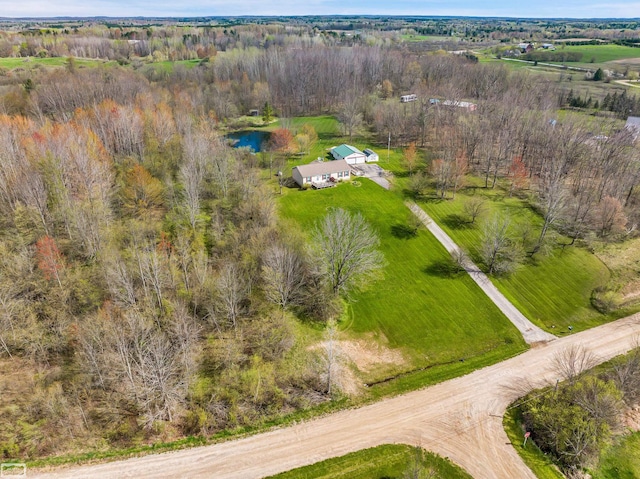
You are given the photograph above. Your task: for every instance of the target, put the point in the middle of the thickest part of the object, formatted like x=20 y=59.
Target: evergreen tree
x=267 y=113
x=598 y=75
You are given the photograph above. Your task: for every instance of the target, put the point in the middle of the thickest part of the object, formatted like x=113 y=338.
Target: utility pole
x=388 y=146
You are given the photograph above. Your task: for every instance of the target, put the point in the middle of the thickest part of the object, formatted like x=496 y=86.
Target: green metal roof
x=345 y=150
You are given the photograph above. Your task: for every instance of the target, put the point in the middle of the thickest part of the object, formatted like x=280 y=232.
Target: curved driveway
x=530 y=332
x=460 y=419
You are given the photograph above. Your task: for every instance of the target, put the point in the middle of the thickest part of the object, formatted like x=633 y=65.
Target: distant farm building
x=321 y=174
x=371 y=155
x=349 y=153
x=408 y=98
x=525 y=47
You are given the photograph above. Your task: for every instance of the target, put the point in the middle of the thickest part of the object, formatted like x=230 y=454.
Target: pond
x=250 y=138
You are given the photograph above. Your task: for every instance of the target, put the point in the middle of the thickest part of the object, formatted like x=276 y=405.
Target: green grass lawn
x=326 y=126
x=382 y=462
x=169 y=66
x=436 y=318
x=602 y=53
x=31 y=62
x=620 y=461
x=329 y=135
x=551 y=291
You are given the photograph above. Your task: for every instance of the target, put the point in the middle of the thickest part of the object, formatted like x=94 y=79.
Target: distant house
x=321 y=174
x=548 y=46
x=633 y=125
x=461 y=104
x=371 y=155
x=408 y=98
x=349 y=153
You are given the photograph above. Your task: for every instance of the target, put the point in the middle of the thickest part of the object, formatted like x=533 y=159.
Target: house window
x=339 y=174
x=308 y=179
x=346 y=173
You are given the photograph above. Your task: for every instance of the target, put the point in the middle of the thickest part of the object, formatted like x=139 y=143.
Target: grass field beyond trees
x=435 y=315
x=382 y=462
x=602 y=53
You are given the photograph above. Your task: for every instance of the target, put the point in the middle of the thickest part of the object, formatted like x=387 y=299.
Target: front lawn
x=552 y=291
x=436 y=316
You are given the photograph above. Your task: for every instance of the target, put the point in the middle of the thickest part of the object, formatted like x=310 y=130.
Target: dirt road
x=530 y=332
x=460 y=419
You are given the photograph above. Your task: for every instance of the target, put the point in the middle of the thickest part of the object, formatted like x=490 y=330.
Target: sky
x=185 y=8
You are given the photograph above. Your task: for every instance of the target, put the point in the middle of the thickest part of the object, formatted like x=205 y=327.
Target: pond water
x=250 y=138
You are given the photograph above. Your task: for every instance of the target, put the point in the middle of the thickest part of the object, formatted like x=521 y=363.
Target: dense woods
x=144 y=274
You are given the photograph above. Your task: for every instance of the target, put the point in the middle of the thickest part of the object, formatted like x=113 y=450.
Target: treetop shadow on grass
x=457 y=222
x=432 y=198
x=404 y=231
x=445 y=268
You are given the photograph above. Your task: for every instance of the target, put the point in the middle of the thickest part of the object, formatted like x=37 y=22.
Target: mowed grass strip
x=553 y=291
x=387 y=461
x=435 y=316
x=621 y=460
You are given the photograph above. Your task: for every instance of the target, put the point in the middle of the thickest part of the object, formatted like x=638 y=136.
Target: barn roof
x=345 y=150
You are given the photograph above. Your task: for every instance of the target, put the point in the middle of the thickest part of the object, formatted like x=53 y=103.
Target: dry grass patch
x=623 y=260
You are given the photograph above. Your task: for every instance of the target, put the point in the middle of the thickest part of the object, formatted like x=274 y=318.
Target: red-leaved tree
x=50 y=260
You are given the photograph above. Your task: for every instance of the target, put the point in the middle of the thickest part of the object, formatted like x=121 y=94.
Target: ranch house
x=321 y=174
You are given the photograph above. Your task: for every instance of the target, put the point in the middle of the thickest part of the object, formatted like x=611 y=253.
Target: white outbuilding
x=349 y=153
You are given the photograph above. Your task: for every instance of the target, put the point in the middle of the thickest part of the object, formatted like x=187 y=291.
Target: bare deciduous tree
x=344 y=246
x=331 y=357
x=474 y=207
x=573 y=361
x=499 y=252
x=349 y=115
x=284 y=275
x=231 y=290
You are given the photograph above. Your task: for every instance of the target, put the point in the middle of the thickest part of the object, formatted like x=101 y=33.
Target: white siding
x=356 y=158
x=297 y=177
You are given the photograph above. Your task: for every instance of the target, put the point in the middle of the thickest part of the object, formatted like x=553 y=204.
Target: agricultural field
x=604 y=53
x=433 y=315
x=382 y=462
x=553 y=291
x=414 y=37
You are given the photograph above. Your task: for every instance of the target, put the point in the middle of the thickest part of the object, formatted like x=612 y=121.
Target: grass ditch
x=389 y=461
